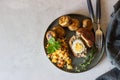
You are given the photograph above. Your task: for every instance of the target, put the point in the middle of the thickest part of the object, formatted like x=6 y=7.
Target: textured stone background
x=22 y=27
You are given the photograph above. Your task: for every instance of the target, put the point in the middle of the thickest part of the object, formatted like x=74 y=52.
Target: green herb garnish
x=88 y=59
x=53 y=45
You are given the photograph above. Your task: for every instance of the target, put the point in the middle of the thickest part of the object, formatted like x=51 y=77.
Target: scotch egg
x=78 y=47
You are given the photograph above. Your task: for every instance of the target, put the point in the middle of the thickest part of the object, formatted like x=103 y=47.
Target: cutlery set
x=96 y=23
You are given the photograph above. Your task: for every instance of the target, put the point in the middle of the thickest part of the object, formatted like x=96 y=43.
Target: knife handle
x=90 y=9
x=98 y=11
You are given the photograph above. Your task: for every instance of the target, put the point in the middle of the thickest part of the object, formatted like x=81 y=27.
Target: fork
x=98 y=33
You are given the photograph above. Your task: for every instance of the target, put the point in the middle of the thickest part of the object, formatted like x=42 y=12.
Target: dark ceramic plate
x=76 y=61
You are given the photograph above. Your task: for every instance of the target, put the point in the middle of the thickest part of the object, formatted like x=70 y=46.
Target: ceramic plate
x=76 y=62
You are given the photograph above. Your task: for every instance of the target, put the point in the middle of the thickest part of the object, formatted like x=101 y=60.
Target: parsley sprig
x=53 y=45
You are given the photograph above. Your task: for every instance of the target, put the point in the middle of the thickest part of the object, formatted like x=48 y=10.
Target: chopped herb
x=53 y=45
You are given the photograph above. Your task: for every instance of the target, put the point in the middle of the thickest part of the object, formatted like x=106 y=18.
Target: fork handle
x=98 y=11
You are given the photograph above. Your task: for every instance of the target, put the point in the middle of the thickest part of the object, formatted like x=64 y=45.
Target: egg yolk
x=78 y=47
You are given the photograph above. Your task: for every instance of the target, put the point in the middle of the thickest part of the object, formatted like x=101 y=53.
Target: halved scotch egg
x=77 y=46
x=87 y=36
